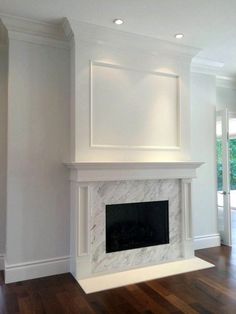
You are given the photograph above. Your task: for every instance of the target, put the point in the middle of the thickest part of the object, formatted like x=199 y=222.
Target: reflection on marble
x=104 y=193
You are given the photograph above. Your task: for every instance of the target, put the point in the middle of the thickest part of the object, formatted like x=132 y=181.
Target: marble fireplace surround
x=95 y=184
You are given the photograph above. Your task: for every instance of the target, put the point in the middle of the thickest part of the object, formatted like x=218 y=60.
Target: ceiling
x=207 y=24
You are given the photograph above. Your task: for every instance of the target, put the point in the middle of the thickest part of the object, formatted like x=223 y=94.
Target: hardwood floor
x=206 y=291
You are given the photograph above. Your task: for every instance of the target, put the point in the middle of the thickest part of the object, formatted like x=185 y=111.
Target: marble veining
x=115 y=192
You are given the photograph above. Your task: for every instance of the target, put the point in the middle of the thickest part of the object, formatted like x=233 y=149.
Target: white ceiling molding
x=67 y=29
x=34 y=31
x=124 y=40
x=207 y=62
x=226 y=82
x=206 y=66
x=3 y=36
x=212 y=67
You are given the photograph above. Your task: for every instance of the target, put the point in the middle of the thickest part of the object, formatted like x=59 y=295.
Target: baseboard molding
x=36 y=269
x=2 y=259
x=206 y=241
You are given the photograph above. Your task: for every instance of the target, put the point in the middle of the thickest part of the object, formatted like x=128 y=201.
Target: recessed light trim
x=179 y=36
x=118 y=21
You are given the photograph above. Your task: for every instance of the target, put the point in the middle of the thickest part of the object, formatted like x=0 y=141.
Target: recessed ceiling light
x=118 y=21
x=179 y=36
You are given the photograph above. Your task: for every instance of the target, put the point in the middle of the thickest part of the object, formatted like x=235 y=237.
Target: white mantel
x=109 y=171
x=95 y=184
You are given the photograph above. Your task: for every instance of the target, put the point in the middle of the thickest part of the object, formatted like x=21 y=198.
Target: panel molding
x=83 y=218
x=132 y=147
x=187 y=228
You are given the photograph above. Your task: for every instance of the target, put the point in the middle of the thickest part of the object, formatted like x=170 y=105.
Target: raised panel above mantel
x=130 y=96
x=133 y=109
x=110 y=171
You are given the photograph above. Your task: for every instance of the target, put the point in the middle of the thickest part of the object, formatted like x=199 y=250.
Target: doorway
x=226 y=175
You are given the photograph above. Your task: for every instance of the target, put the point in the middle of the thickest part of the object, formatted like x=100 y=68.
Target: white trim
x=226 y=82
x=206 y=66
x=125 y=40
x=67 y=29
x=206 y=241
x=34 y=31
x=33 y=27
x=122 y=67
x=83 y=216
x=100 y=283
x=110 y=171
x=2 y=261
x=134 y=165
x=38 y=40
x=207 y=62
x=186 y=205
x=36 y=269
x=214 y=68
x=133 y=147
x=203 y=69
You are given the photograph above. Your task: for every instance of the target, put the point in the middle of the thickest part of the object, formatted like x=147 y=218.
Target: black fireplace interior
x=136 y=225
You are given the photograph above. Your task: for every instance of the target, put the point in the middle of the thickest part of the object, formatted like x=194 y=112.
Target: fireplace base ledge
x=119 y=279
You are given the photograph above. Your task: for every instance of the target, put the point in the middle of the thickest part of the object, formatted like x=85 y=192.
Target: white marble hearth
x=94 y=185
x=115 y=280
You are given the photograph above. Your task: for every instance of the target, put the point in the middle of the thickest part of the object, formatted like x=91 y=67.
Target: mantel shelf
x=111 y=171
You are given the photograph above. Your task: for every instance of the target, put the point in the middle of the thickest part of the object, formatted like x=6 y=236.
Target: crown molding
x=206 y=66
x=207 y=62
x=226 y=82
x=34 y=31
x=3 y=36
x=215 y=68
x=66 y=26
x=121 y=39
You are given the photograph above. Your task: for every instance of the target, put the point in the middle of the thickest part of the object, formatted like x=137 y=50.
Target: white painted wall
x=3 y=147
x=203 y=102
x=39 y=141
x=38 y=144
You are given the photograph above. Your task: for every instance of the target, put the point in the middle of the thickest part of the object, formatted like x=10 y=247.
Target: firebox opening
x=136 y=225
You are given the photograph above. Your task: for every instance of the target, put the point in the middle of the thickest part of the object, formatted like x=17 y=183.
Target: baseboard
x=206 y=241
x=36 y=269
x=2 y=261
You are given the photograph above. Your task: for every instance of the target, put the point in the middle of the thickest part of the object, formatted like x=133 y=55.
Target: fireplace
x=98 y=189
x=136 y=225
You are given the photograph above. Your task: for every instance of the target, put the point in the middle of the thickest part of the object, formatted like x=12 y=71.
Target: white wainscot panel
x=133 y=109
